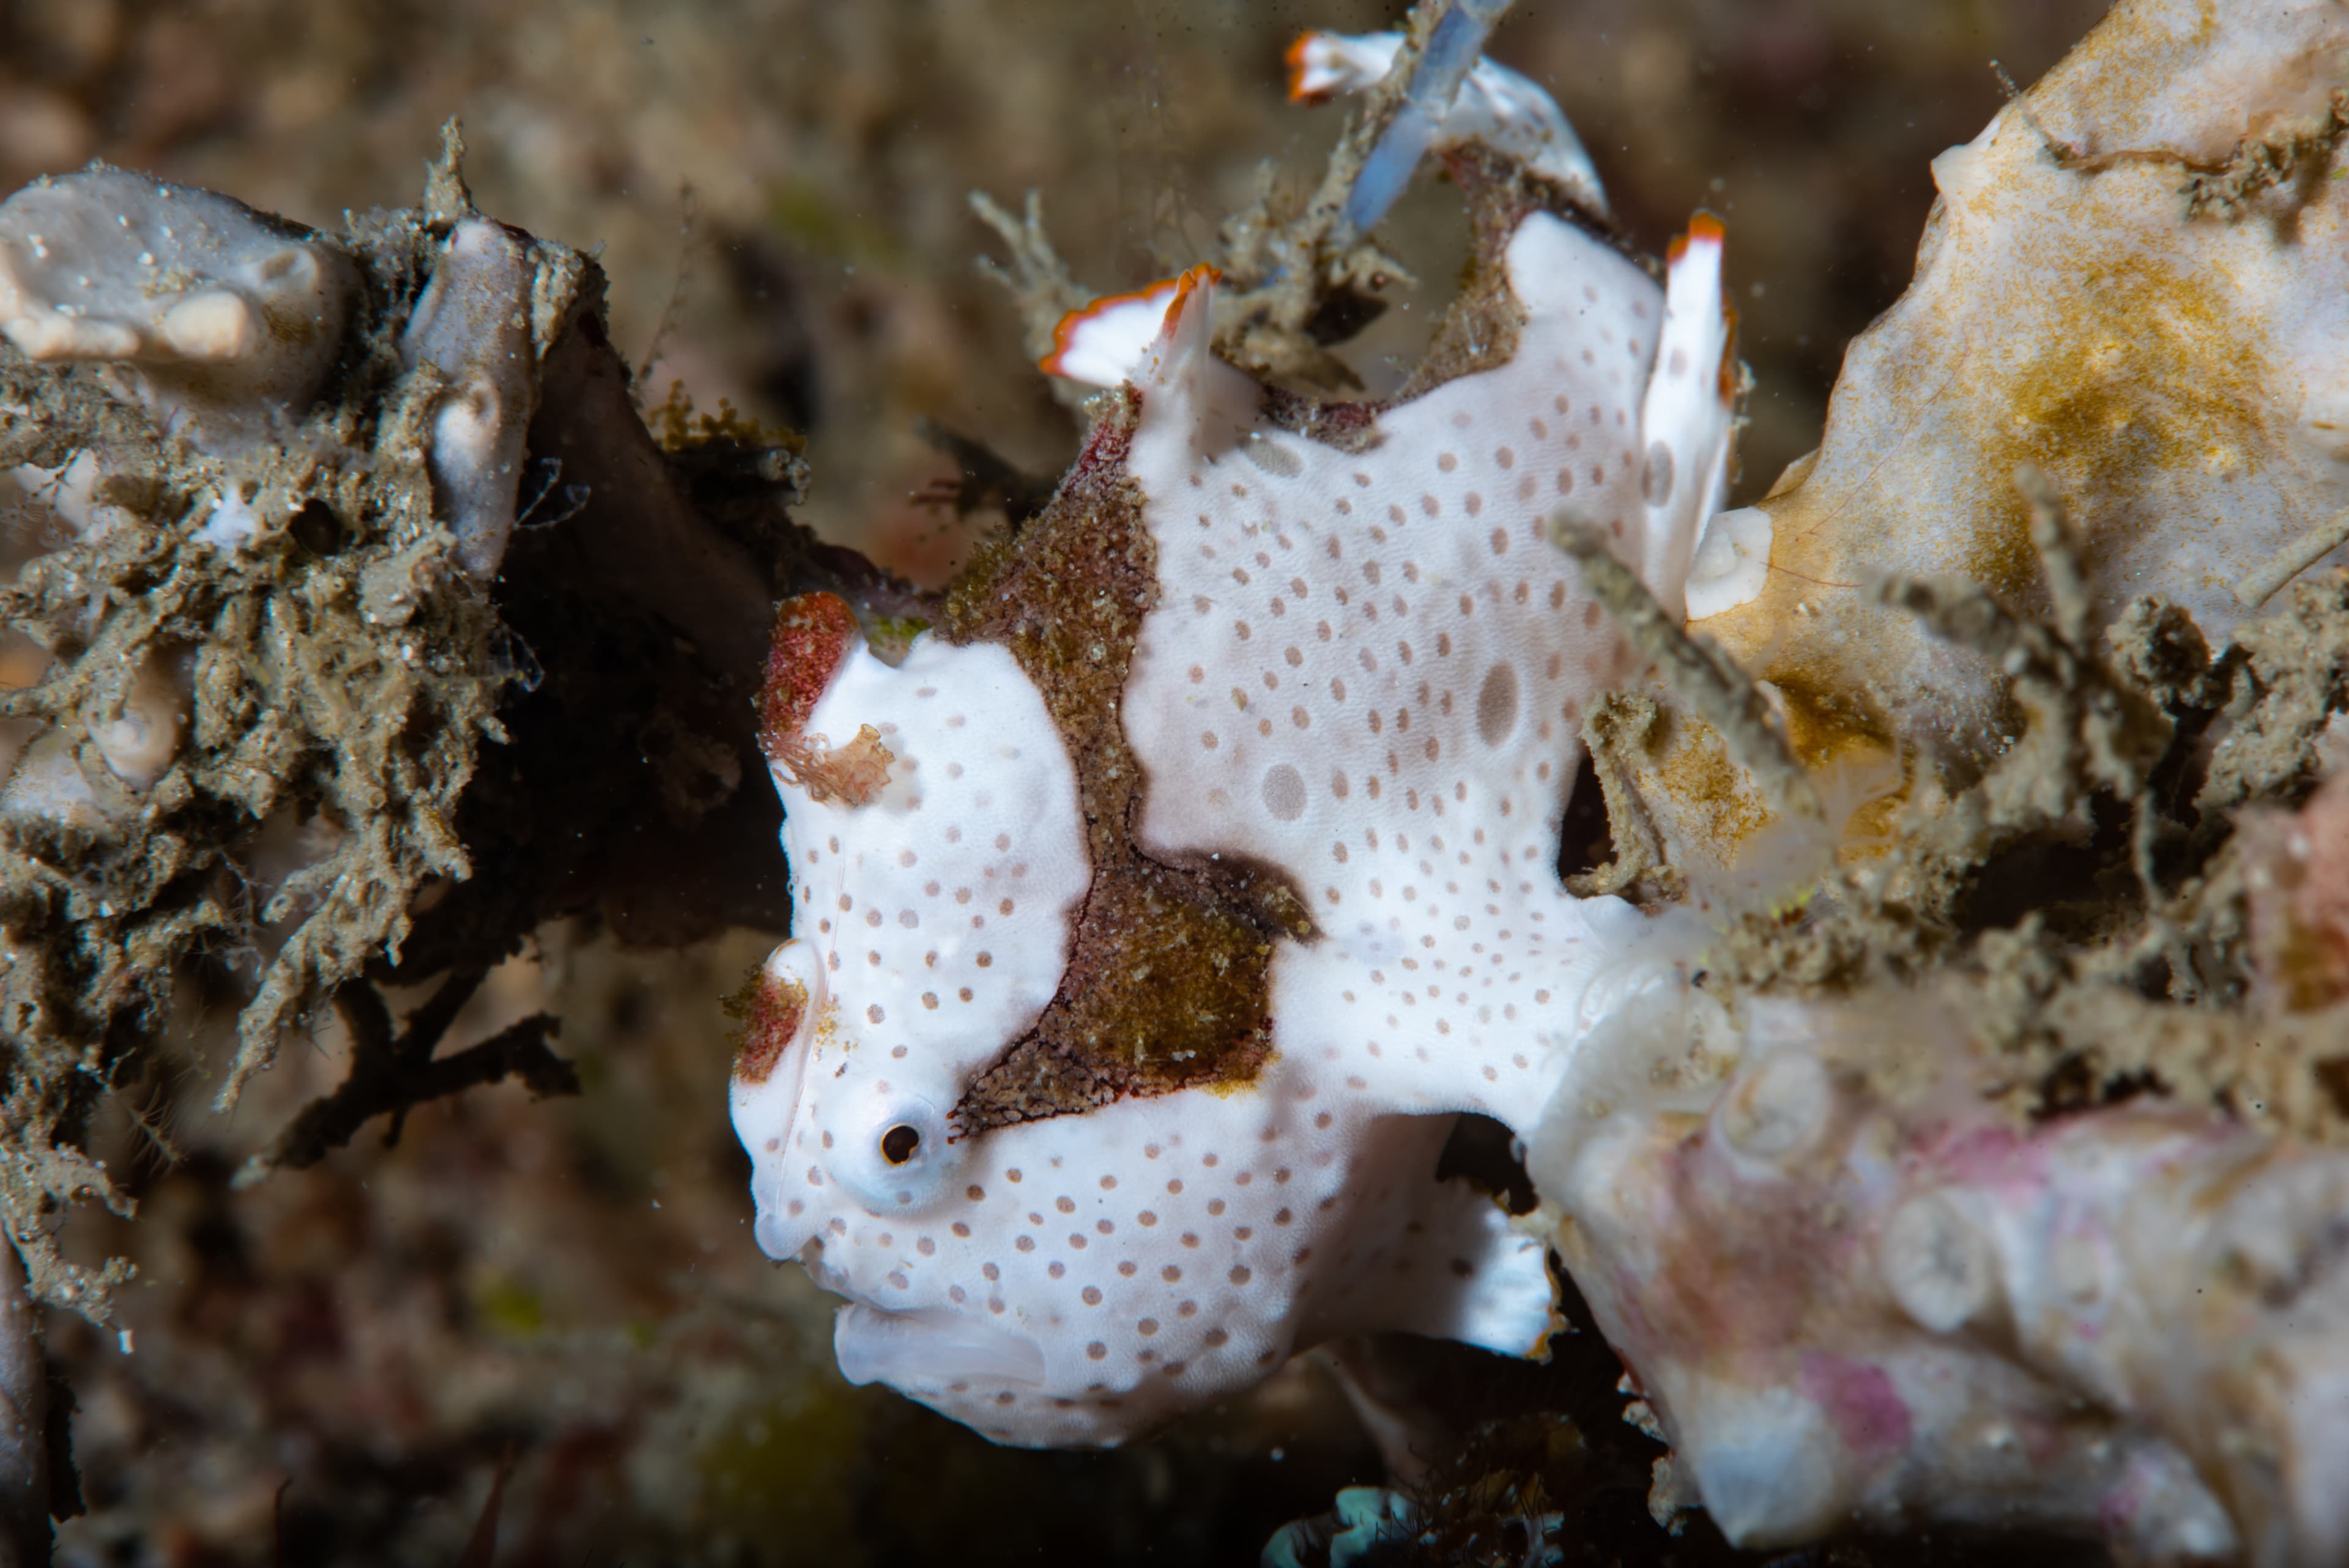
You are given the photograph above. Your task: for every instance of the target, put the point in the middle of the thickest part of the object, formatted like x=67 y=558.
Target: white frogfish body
x=1363 y=674
x=1073 y=1280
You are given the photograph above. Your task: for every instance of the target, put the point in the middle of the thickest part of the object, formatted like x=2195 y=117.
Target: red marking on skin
x=1350 y=417
x=811 y=636
x=1703 y=229
x=777 y=1006
x=1858 y=1397
x=1111 y=440
x=1064 y=333
x=812 y=632
x=1293 y=58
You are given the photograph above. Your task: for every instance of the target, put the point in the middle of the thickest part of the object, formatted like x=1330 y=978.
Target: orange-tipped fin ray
x=1689 y=415
x=1693 y=277
x=1323 y=65
x=1105 y=343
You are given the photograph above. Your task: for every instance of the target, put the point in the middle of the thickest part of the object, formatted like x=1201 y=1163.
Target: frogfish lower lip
x=922 y=1349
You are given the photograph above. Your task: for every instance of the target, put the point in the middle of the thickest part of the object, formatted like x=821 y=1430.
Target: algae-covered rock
x=2134 y=283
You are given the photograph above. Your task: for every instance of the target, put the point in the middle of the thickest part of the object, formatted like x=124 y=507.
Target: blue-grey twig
x=1428 y=82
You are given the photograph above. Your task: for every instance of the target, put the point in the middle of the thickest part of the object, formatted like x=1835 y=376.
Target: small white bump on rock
x=472 y=325
x=1940 y=1265
x=1777 y=1109
x=47 y=782
x=136 y=728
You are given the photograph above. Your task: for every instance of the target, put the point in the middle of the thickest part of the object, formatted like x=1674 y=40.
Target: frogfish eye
x=899 y=1158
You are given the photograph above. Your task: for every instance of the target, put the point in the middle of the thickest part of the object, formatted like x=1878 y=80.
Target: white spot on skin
x=1284 y=792
x=1656 y=484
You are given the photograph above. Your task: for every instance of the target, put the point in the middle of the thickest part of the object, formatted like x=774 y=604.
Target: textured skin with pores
x=1363 y=671
x=933 y=921
x=1369 y=670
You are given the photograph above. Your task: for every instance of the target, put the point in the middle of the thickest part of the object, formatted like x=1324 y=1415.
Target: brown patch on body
x=1167 y=984
x=1349 y=427
x=1480 y=328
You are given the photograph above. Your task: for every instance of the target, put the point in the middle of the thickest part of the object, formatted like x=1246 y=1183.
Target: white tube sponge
x=1852 y=1294
x=472 y=324
x=224 y=317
